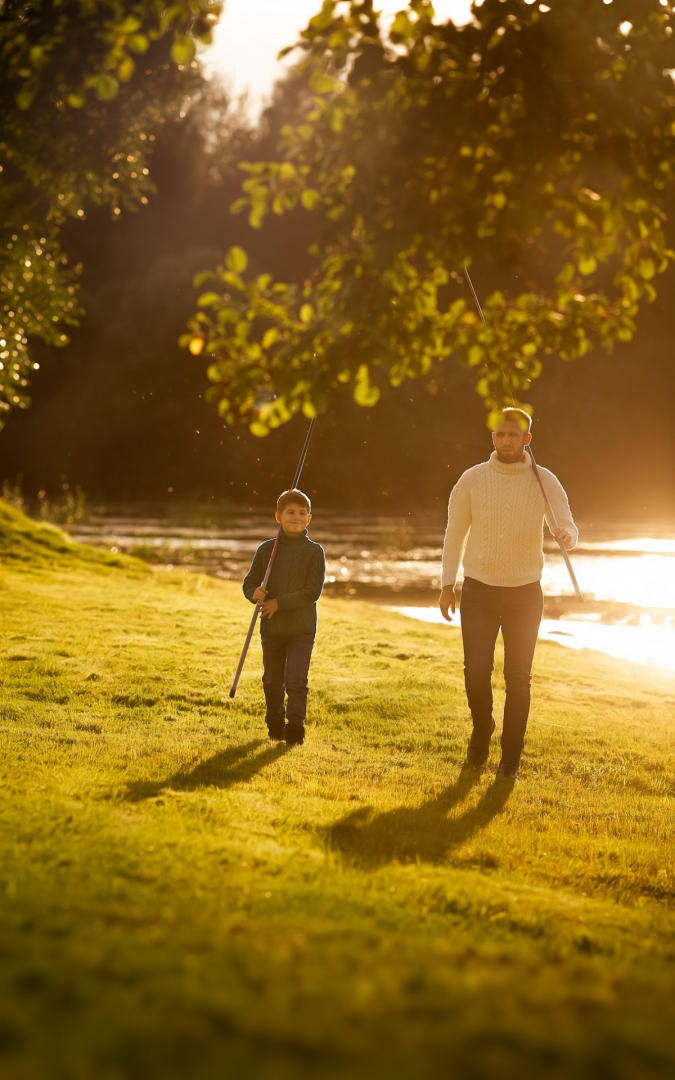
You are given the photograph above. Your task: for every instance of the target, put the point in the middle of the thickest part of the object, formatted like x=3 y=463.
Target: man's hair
x=293 y=496
x=515 y=416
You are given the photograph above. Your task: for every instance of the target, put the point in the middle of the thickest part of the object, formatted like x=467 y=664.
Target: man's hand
x=259 y=594
x=268 y=608
x=447 y=602
x=564 y=536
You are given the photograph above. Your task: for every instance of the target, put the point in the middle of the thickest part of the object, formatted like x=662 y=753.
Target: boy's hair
x=515 y=416
x=294 y=495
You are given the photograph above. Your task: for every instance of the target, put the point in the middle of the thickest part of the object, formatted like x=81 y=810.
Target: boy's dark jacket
x=295 y=583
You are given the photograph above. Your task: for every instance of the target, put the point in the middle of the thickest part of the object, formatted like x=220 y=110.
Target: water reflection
x=646 y=642
x=627 y=574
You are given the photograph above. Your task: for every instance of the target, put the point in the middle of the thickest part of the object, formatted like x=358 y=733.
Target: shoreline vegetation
x=179 y=896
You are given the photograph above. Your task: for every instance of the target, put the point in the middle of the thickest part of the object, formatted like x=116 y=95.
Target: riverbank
x=180 y=897
x=626 y=572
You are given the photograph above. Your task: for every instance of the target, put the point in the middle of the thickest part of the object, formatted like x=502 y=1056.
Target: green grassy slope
x=32 y=544
x=179 y=897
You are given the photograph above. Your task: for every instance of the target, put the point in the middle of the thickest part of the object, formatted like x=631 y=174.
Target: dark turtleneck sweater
x=295 y=583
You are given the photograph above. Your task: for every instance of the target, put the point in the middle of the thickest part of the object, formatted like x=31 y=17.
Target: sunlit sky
x=251 y=33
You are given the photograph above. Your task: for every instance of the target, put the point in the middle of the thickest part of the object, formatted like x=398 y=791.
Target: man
x=499 y=506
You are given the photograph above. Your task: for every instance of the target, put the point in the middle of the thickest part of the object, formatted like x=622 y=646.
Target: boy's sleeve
x=255 y=574
x=459 y=523
x=310 y=592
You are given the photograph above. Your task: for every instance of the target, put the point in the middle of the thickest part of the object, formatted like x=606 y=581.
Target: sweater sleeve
x=459 y=523
x=310 y=592
x=561 y=508
x=256 y=573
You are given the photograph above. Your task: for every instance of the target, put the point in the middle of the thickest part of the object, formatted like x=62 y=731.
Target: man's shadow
x=424 y=832
x=229 y=767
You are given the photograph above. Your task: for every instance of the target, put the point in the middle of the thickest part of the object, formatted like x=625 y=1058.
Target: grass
x=179 y=897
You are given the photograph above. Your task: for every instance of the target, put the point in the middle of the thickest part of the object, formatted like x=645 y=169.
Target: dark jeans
x=518 y=611
x=285 y=670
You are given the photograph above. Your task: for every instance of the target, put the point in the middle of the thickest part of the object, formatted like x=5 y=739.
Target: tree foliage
x=538 y=141
x=83 y=84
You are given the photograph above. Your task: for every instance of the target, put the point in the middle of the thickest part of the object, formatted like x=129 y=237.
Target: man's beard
x=512 y=458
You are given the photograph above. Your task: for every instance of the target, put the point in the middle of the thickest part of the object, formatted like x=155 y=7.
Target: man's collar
x=510 y=470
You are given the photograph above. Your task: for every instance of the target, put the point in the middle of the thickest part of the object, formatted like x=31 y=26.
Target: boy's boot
x=276 y=727
x=275 y=713
x=478 y=749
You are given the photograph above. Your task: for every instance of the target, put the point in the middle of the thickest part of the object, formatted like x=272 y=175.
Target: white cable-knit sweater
x=502 y=510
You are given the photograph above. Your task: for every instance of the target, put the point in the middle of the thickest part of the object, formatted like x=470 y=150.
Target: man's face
x=294 y=519
x=510 y=441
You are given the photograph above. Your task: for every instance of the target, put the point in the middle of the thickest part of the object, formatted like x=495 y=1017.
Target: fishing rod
x=259 y=604
x=551 y=515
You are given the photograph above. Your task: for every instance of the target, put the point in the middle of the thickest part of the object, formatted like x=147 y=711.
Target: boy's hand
x=268 y=608
x=260 y=594
x=447 y=602
x=564 y=536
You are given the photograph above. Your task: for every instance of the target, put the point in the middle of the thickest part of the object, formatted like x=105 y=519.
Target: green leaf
x=255 y=218
x=259 y=429
x=306 y=313
x=38 y=57
x=587 y=265
x=269 y=337
x=310 y=199
x=106 y=87
x=76 y=100
x=366 y=395
x=24 y=98
x=138 y=43
x=324 y=19
x=130 y=25
x=401 y=27
x=236 y=260
x=647 y=269
x=208 y=299
x=183 y=50
x=126 y=69
x=322 y=84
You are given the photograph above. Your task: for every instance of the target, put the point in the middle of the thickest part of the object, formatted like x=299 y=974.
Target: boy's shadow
x=424 y=832
x=229 y=767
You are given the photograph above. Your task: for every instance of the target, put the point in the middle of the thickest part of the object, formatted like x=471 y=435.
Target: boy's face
x=294 y=519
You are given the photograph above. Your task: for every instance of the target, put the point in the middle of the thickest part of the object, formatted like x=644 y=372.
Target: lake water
x=626 y=573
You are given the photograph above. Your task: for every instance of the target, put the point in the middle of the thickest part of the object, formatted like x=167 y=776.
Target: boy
x=288 y=620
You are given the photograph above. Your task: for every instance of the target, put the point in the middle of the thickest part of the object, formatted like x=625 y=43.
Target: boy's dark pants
x=518 y=611
x=285 y=669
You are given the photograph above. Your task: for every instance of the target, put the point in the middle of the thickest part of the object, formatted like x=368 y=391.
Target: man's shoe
x=507 y=770
x=294 y=735
x=476 y=756
x=478 y=753
x=277 y=731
